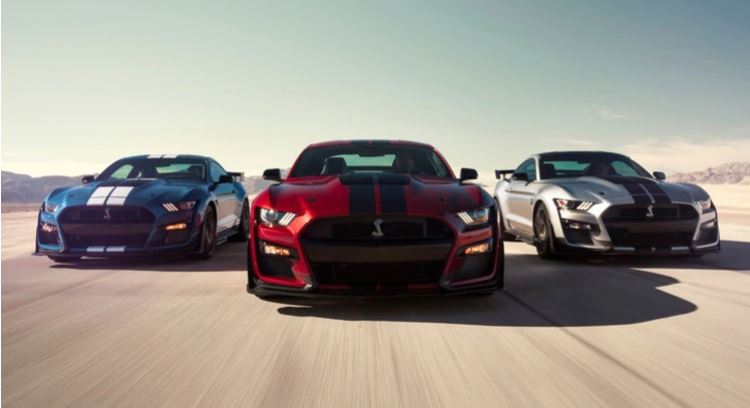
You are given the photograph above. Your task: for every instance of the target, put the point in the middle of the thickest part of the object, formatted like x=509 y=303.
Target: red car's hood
x=331 y=196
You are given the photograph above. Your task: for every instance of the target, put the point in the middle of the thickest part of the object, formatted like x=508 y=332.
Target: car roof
x=369 y=141
x=167 y=156
x=582 y=152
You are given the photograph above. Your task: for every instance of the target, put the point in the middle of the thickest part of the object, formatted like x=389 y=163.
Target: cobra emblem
x=378 y=233
x=650 y=211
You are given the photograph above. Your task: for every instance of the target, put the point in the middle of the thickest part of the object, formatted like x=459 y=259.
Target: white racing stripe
x=119 y=195
x=99 y=196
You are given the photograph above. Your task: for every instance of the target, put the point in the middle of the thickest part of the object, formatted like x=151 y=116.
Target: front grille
x=86 y=226
x=375 y=273
x=96 y=214
x=363 y=228
x=87 y=240
x=659 y=212
x=624 y=237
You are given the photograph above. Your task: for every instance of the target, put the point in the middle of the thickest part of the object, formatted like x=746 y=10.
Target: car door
x=521 y=197
x=226 y=213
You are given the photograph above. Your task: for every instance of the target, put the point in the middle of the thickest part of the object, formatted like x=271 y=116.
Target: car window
x=370 y=158
x=216 y=171
x=122 y=172
x=624 y=169
x=529 y=168
x=592 y=164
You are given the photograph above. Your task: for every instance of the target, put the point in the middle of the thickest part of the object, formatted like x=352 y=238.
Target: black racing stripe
x=638 y=194
x=392 y=199
x=362 y=198
x=660 y=197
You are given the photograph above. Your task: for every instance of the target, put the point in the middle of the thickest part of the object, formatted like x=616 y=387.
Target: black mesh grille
x=86 y=240
x=406 y=272
x=106 y=214
x=391 y=227
x=658 y=212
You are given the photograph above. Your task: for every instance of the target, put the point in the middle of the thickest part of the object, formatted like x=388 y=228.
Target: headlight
x=573 y=204
x=49 y=207
x=272 y=218
x=705 y=204
x=181 y=206
x=475 y=217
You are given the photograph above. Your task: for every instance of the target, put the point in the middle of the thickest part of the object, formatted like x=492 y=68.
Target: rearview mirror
x=468 y=174
x=88 y=179
x=660 y=175
x=520 y=177
x=272 y=175
x=225 y=178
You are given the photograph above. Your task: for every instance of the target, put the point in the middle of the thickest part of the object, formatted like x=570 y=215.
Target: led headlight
x=50 y=207
x=181 y=206
x=705 y=204
x=475 y=217
x=271 y=218
x=573 y=204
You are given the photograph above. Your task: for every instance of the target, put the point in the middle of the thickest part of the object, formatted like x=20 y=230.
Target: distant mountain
x=22 y=188
x=728 y=173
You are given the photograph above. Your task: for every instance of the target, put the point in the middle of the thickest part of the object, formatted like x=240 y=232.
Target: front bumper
x=346 y=268
x=95 y=238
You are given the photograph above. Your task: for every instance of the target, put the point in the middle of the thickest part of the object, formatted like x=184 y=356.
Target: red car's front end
x=373 y=218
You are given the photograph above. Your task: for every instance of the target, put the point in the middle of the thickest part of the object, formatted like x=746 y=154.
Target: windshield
x=173 y=169
x=580 y=164
x=370 y=158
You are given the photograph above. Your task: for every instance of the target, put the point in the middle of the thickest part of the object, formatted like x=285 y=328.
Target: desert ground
x=656 y=332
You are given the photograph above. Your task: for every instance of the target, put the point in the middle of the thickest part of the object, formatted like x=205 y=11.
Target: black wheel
x=244 y=228
x=543 y=234
x=504 y=235
x=64 y=258
x=207 y=242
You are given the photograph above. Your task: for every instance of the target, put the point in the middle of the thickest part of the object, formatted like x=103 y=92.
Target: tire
x=244 y=228
x=544 y=235
x=64 y=258
x=207 y=242
x=504 y=235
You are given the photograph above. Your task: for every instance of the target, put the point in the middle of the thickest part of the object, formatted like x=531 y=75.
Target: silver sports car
x=601 y=202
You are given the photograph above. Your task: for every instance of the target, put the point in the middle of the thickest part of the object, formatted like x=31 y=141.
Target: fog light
x=575 y=225
x=475 y=249
x=275 y=250
x=176 y=227
x=48 y=227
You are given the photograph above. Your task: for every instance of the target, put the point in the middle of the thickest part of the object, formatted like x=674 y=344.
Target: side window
x=623 y=169
x=529 y=168
x=122 y=173
x=216 y=171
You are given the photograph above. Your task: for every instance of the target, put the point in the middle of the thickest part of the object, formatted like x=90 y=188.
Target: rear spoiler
x=500 y=174
x=237 y=175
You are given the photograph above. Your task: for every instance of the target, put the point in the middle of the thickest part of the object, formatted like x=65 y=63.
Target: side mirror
x=520 y=177
x=272 y=175
x=660 y=175
x=225 y=178
x=88 y=179
x=468 y=174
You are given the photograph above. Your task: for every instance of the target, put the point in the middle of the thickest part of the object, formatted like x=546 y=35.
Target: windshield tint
x=174 y=169
x=579 y=164
x=370 y=158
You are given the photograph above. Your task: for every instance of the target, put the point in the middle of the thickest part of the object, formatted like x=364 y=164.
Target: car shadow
x=229 y=256
x=538 y=294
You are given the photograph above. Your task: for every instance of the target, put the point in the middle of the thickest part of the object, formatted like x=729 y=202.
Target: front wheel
x=543 y=234
x=207 y=245
x=244 y=228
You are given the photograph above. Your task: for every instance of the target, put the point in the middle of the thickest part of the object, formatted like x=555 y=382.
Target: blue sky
x=251 y=83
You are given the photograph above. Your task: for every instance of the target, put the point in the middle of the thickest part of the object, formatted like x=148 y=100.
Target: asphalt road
x=629 y=332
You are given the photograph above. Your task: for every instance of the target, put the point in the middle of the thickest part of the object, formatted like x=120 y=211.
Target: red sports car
x=373 y=218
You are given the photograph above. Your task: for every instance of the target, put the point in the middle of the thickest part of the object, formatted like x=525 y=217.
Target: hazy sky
x=251 y=83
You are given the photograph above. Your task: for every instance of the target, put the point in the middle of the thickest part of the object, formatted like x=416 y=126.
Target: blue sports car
x=144 y=205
